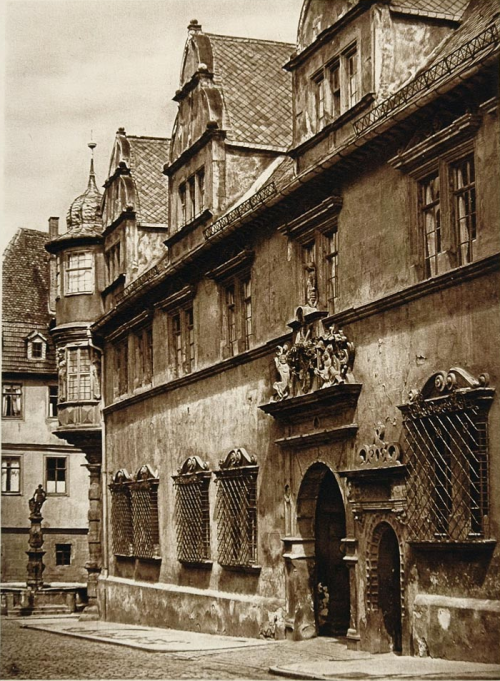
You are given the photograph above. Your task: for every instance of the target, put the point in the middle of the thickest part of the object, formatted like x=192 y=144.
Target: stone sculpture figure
x=282 y=387
x=61 y=371
x=37 y=501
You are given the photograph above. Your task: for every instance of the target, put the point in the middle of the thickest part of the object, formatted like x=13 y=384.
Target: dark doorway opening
x=332 y=602
x=389 y=581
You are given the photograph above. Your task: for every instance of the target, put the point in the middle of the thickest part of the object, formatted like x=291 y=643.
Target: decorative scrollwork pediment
x=121 y=477
x=317 y=358
x=237 y=458
x=380 y=453
x=191 y=470
x=145 y=474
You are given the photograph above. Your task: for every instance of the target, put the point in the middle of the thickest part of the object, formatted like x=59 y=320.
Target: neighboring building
x=298 y=394
x=31 y=454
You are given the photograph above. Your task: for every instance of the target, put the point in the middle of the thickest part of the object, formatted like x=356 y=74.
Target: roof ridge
x=148 y=137
x=254 y=40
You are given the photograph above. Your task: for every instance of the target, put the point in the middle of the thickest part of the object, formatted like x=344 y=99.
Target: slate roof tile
x=440 y=8
x=257 y=90
x=25 y=301
x=148 y=155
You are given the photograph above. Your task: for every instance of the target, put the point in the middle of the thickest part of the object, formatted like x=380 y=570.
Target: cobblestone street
x=29 y=654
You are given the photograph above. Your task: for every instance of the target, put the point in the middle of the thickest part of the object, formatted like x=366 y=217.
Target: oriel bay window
x=192 y=511
x=236 y=510
x=79 y=270
x=446 y=432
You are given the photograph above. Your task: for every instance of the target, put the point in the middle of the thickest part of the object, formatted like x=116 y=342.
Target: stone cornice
x=200 y=375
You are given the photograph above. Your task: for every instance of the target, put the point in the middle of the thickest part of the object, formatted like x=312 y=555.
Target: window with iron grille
x=144 y=507
x=121 y=514
x=446 y=432
x=192 y=511
x=236 y=510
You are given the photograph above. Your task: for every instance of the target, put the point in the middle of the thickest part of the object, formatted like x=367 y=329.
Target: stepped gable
x=257 y=91
x=147 y=157
x=25 y=298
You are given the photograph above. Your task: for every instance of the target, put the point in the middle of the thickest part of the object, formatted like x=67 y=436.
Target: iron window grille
x=446 y=433
x=121 y=514
x=236 y=509
x=192 y=511
x=144 y=507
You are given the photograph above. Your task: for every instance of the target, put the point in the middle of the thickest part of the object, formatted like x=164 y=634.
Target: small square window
x=63 y=554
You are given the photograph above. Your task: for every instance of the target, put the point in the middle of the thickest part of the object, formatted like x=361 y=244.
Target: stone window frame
x=448 y=503
x=235 y=278
x=12 y=400
x=236 y=510
x=438 y=156
x=85 y=263
x=311 y=233
x=6 y=477
x=181 y=327
x=322 y=84
x=64 y=492
x=192 y=512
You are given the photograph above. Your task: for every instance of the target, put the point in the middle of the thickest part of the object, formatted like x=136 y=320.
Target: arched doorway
x=389 y=584
x=332 y=603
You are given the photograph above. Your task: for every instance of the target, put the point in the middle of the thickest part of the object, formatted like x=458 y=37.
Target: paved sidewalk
x=319 y=658
x=133 y=636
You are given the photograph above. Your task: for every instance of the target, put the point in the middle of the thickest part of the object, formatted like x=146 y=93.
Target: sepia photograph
x=250 y=340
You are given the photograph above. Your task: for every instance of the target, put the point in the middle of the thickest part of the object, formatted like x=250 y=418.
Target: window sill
x=197 y=564
x=471 y=546
x=251 y=569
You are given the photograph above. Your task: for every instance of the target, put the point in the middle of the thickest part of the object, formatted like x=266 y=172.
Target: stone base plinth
x=24 y=601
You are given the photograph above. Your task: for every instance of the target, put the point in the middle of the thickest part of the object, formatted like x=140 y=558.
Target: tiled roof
x=479 y=15
x=25 y=299
x=257 y=91
x=438 y=8
x=148 y=155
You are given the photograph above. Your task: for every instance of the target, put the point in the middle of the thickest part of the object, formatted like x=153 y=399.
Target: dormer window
x=79 y=273
x=191 y=197
x=36 y=346
x=336 y=87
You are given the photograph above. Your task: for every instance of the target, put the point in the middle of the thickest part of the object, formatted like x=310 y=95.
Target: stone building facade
x=298 y=395
x=31 y=454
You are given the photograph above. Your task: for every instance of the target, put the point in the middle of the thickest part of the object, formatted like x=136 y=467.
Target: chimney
x=53 y=228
